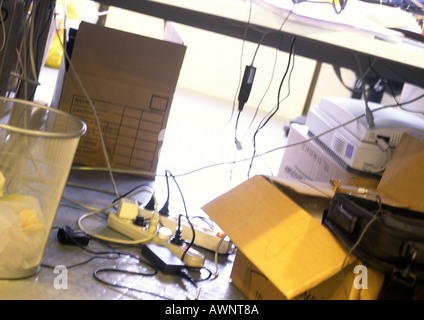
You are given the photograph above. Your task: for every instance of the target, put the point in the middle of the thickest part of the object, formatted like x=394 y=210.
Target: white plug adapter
x=127 y=209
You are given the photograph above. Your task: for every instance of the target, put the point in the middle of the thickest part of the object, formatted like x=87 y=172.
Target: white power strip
x=192 y=258
x=204 y=237
x=128 y=228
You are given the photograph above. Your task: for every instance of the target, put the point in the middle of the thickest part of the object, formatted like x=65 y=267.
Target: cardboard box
x=255 y=286
x=308 y=161
x=283 y=250
x=403 y=179
x=131 y=80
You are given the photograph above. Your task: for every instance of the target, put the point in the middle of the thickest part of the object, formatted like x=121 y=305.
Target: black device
x=246 y=86
x=70 y=236
x=386 y=238
x=162 y=258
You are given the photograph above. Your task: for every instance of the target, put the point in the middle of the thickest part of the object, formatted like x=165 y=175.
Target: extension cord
x=126 y=227
x=205 y=237
x=129 y=229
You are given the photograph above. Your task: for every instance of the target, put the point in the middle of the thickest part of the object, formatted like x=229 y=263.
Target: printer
x=355 y=144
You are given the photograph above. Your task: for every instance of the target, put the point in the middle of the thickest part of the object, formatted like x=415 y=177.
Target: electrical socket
x=205 y=237
x=192 y=258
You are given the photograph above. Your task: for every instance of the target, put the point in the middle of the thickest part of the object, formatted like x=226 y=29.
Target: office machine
x=355 y=144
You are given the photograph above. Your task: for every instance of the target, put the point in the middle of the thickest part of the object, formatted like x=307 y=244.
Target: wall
x=212 y=66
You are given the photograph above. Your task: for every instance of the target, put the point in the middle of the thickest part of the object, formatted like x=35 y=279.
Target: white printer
x=356 y=145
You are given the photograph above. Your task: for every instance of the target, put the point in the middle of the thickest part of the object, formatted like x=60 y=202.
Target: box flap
x=403 y=179
x=306 y=187
x=291 y=248
x=129 y=57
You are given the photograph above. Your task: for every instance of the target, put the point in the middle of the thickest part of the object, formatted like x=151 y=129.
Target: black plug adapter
x=177 y=238
x=162 y=258
x=165 y=210
x=67 y=235
x=246 y=86
x=150 y=205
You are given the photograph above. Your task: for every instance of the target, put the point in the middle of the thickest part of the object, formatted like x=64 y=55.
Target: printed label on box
x=130 y=133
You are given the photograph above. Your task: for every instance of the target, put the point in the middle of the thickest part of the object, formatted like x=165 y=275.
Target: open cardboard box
x=283 y=250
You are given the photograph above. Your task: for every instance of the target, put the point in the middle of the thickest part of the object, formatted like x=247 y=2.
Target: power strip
x=192 y=258
x=205 y=237
x=128 y=228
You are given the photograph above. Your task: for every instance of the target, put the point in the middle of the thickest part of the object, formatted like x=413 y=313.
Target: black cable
x=191 y=269
x=6 y=14
x=131 y=191
x=264 y=34
x=337 y=71
x=37 y=42
x=241 y=61
x=115 y=285
x=263 y=123
x=177 y=237
x=385 y=82
x=368 y=114
x=99 y=254
x=187 y=217
x=165 y=209
x=186 y=273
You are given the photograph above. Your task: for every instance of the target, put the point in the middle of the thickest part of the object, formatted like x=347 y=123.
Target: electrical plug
x=177 y=238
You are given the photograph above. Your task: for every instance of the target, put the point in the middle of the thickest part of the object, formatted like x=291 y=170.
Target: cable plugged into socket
x=150 y=205
x=165 y=209
x=178 y=238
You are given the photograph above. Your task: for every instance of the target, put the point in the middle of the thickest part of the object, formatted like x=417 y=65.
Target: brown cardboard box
x=283 y=250
x=131 y=81
x=403 y=179
x=309 y=162
x=255 y=286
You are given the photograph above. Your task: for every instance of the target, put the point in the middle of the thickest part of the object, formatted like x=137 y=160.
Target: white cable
x=83 y=168
x=155 y=218
x=3 y=28
x=83 y=186
x=85 y=207
x=87 y=168
x=94 y=112
x=361 y=236
x=216 y=274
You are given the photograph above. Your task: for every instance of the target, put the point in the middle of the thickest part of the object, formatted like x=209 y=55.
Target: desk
x=398 y=62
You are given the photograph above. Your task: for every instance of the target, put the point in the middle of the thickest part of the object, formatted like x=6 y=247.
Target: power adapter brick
x=162 y=258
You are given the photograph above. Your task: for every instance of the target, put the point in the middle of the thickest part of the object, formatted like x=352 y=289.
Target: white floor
x=199 y=144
